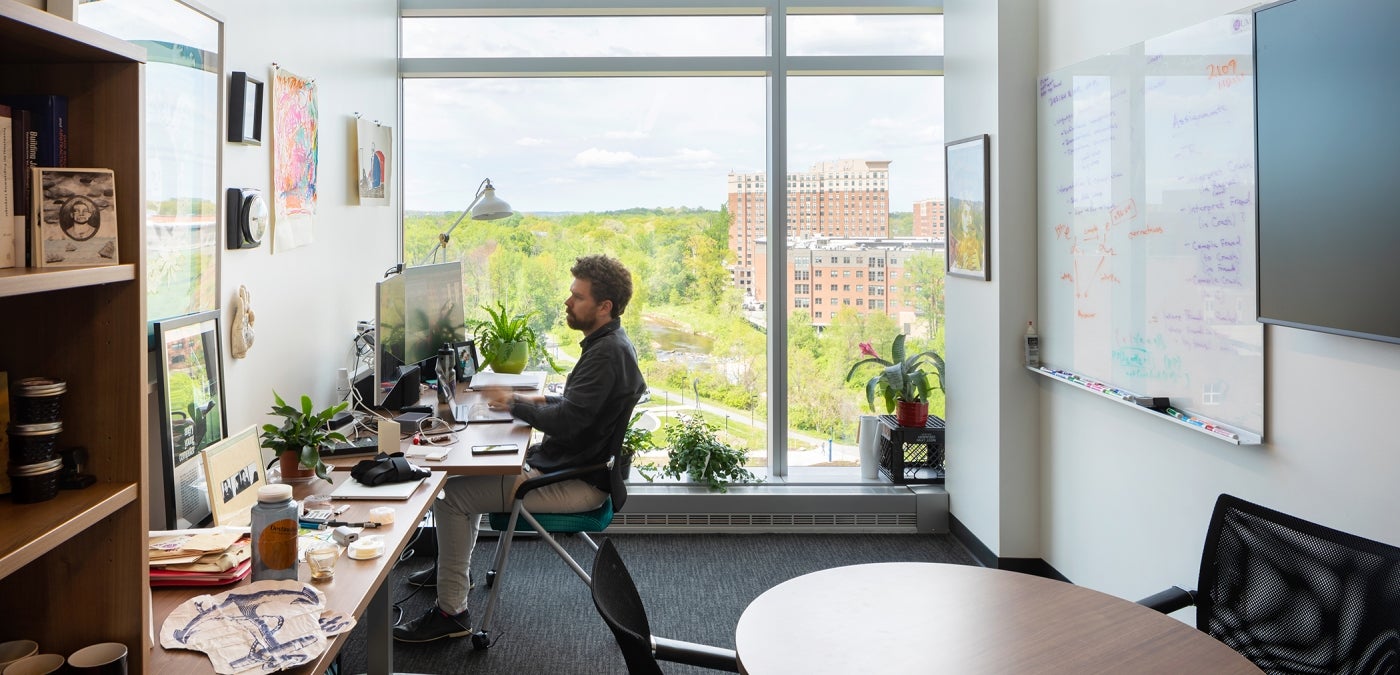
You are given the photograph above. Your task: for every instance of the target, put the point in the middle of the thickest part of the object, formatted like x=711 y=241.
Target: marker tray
x=912 y=454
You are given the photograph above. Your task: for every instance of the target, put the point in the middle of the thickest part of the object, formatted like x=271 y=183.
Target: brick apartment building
x=827 y=274
x=931 y=219
x=843 y=198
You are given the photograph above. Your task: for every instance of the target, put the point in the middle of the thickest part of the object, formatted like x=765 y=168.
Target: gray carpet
x=695 y=586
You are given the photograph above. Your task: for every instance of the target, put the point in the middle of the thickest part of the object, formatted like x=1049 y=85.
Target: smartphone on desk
x=495 y=449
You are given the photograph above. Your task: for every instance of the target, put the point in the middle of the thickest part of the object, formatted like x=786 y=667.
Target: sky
x=615 y=143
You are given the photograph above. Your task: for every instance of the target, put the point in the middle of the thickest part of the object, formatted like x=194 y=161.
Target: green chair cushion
x=596 y=520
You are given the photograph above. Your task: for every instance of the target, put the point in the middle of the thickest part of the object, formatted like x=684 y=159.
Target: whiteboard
x=1146 y=239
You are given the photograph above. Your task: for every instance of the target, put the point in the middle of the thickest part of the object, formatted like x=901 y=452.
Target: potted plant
x=507 y=342
x=635 y=441
x=902 y=382
x=693 y=450
x=300 y=438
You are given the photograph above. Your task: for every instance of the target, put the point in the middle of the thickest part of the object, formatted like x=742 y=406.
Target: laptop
x=454 y=412
x=353 y=489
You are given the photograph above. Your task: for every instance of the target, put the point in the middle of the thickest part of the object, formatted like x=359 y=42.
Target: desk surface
x=921 y=617
x=355 y=582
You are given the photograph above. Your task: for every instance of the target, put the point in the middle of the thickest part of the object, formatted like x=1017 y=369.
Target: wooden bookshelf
x=73 y=569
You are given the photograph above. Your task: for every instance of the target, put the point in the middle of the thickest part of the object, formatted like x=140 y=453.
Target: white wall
x=308 y=299
x=1125 y=499
x=993 y=421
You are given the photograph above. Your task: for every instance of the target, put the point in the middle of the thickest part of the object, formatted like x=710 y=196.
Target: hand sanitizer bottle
x=1032 y=346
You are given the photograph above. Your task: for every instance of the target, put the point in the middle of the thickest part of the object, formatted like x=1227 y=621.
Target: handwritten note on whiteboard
x=1146 y=228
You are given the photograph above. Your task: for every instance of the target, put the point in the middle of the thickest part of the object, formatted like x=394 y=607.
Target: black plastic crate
x=912 y=454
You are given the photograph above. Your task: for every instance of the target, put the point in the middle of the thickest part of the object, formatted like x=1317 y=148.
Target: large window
x=665 y=139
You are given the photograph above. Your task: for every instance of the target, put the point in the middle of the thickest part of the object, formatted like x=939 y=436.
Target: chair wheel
x=480 y=640
x=490 y=578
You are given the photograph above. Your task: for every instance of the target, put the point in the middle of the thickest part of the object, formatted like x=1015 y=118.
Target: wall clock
x=247 y=217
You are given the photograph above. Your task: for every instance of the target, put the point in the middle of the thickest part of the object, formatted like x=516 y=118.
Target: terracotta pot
x=292 y=470
x=910 y=414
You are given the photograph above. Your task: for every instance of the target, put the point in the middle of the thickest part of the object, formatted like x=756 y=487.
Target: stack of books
x=210 y=557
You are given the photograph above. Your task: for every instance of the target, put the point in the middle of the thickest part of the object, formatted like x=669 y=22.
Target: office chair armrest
x=1170 y=600
x=690 y=653
x=557 y=477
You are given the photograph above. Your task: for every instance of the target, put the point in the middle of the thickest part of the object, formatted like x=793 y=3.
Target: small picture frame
x=233 y=471
x=245 y=106
x=75 y=217
x=967 y=172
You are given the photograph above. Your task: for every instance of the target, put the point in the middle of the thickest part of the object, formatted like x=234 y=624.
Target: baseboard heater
x=837 y=509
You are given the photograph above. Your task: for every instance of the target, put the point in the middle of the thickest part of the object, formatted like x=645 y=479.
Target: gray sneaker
x=434 y=625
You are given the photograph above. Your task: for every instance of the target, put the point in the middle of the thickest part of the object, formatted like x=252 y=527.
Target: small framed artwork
x=75 y=220
x=967 y=172
x=233 y=471
x=245 y=118
x=193 y=416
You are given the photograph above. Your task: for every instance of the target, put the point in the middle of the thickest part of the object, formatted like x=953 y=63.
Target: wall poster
x=294 y=150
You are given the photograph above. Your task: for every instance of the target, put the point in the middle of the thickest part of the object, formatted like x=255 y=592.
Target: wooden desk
x=358 y=589
x=928 y=617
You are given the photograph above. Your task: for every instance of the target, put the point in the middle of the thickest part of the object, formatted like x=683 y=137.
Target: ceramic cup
x=104 y=658
x=39 y=664
x=15 y=650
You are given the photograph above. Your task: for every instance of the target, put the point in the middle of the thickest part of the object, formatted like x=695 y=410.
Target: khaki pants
x=458 y=510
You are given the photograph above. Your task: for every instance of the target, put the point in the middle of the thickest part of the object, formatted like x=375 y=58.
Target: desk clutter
x=260 y=627
x=211 y=557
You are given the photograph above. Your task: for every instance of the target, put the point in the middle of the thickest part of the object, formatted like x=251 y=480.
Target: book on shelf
x=49 y=117
x=7 y=188
x=75 y=217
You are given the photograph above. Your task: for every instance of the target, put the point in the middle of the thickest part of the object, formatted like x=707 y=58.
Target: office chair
x=1293 y=596
x=548 y=524
x=617 y=600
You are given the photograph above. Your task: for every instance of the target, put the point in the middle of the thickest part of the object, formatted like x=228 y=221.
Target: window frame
x=775 y=66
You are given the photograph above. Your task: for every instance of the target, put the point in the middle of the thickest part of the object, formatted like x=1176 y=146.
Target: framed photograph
x=233 y=472
x=192 y=414
x=75 y=217
x=967 y=172
x=245 y=106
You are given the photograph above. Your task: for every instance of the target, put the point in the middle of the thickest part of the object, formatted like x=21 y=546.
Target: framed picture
x=245 y=106
x=966 y=168
x=192 y=414
x=233 y=472
x=75 y=217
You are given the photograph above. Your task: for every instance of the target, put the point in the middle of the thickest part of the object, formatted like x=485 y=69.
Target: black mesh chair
x=519 y=518
x=617 y=600
x=1293 y=596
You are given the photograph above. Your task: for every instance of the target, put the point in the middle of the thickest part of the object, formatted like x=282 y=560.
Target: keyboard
x=357 y=446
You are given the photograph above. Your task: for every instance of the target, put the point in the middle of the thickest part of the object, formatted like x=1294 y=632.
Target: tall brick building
x=843 y=198
x=931 y=219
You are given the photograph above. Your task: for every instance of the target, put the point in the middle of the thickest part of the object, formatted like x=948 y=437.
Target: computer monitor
x=416 y=312
x=433 y=309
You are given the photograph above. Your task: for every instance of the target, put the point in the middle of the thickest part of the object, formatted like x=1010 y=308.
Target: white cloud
x=634 y=135
x=598 y=158
x=531 y=142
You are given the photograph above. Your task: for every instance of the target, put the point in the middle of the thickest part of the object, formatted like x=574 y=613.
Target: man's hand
x=500 y=398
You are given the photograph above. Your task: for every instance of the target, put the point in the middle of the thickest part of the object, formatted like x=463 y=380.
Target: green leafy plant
x=694 y=449
x=303 y=432
x=902 y=378
x=637 y=440
x=494 y=337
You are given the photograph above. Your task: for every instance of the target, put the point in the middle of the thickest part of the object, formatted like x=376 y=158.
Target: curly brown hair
x=608 y=278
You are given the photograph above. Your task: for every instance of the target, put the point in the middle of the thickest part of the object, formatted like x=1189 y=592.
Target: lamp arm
x=446 y=236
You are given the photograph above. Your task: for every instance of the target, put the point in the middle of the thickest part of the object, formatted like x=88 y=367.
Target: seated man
x=575 y=425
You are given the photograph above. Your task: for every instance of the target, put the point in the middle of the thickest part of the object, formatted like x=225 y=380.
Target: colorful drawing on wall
x=374 y=143
x=294 y=149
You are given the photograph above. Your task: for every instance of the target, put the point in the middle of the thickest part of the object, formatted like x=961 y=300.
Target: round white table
x=894 y=618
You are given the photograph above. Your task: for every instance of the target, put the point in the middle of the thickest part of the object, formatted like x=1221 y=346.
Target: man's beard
x=577 y=323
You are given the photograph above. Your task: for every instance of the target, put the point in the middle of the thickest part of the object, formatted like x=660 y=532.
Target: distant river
x=667 y=336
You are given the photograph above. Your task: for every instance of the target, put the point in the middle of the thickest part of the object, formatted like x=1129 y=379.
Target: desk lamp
x=486 y=206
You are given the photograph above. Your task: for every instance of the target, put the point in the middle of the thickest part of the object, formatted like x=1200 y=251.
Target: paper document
x=533 y=380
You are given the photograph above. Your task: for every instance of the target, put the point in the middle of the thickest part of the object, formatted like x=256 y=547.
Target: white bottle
x=275 y=533
x=1032 y=346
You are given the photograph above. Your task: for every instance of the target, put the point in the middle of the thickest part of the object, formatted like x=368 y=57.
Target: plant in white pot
x=902 y=381
x=298 y=441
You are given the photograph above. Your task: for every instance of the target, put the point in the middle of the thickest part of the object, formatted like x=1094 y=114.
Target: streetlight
x=695 y=384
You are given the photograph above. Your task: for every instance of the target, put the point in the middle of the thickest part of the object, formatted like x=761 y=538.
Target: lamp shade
x=490 y=207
